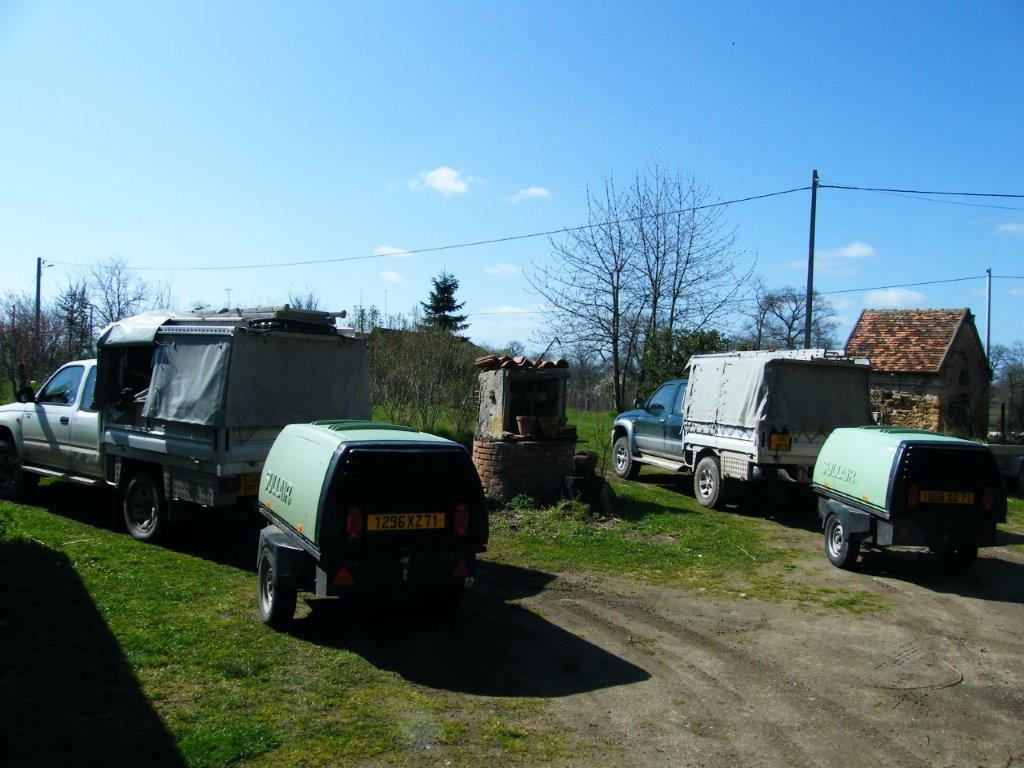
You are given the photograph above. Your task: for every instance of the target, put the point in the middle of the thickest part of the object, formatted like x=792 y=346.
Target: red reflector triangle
x=343 y=579
x=461 y=570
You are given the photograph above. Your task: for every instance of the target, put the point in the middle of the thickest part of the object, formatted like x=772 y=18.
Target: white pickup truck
x=744 y=417
x=179 y=412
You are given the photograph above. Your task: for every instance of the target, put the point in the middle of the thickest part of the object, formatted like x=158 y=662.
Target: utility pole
x=39 y=293
x=988 y=313
x=808 y=317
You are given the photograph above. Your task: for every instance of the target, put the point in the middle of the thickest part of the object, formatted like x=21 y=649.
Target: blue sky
x=216 y=133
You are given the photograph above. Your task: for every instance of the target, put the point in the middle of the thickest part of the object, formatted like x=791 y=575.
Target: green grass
x=127 y=648
x=1015 y=523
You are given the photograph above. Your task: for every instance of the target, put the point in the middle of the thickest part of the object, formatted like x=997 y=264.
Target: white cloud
x=390 y=250
x=507 y=309
x=1011 y=228
x=894 y=297
x=836 y=262
x=502 y=268
x=391 y=277
x=1017 y=290
x=528 y=193
x=842 y=302
x=445 y=180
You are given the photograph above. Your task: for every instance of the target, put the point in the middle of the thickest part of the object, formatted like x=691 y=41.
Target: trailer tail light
x=462 y=520
x=913 y=496
x=986 y=498
x=354 y=524
x=461 y=570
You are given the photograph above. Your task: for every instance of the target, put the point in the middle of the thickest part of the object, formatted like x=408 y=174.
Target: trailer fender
x=289 y=557
x=856 y=522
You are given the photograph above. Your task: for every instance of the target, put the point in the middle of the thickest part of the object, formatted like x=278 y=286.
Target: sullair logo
x=837 y=471
x=277 y=486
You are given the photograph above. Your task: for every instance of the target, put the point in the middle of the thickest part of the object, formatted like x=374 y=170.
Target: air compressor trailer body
x=894 y=486
x=362 y=506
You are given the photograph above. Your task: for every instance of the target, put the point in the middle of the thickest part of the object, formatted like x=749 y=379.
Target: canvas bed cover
x=236 y=377
x=802 y=391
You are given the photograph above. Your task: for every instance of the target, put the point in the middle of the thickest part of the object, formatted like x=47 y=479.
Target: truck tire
x=276 y=598
x=15 y=483
x=958 y=558
x=707 y=483
x=145 y=509
x=622 y=460
x=839 y=548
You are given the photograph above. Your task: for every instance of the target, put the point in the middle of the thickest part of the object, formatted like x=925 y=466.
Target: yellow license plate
x=947 y=497
x=780 y=442
x=248 y=485
x=416 y=521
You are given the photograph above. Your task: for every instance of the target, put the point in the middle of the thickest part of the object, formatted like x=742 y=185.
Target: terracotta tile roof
x=905 y=339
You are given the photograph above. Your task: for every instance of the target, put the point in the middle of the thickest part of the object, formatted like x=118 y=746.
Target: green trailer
x=894 y=486
x=362 y=506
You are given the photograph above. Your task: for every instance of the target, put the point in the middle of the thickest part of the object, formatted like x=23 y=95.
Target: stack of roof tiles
x=491 y=362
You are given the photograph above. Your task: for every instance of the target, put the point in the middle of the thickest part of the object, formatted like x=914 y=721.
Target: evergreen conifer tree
x=439 y=310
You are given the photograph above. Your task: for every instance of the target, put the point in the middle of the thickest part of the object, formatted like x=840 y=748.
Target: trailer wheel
x=145 y=509
x=622 y=460
x=277 y=599
x=958 y=558
x=444 y=603
x=707 y=483
x=841 y=551
x=15 y=483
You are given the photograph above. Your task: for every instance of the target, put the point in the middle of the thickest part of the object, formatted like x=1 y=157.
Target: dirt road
x=676 y=677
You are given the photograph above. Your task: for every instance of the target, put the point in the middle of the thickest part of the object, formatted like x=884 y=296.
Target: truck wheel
x=958 y=558
x=145 y=509
x=622 y=460
x=841 y=551
x=277 y=599
x=15 y=483
x=707 y=483
x=444 y=603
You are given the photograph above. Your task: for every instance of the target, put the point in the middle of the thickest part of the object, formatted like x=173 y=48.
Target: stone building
x=929 y=368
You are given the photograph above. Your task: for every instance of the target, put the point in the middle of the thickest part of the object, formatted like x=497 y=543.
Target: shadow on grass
x=228 y=537
x=491 y=648
x=991 y=578
x=794 y=509
x=67 y=695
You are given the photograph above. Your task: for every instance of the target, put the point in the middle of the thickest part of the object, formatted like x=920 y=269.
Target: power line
x=951 y=202
x=492 y=241
x=922 y=191
x=903 y=285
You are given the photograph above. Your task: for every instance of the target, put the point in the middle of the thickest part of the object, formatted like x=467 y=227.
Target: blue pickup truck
x=651 y=431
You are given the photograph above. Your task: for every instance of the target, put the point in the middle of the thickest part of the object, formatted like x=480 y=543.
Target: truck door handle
x=65 y=420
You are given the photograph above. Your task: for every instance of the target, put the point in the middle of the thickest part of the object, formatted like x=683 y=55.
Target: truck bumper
x=936 y=531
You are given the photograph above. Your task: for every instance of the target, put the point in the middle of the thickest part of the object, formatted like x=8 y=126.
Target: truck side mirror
x=638 y=402
x=26 y=395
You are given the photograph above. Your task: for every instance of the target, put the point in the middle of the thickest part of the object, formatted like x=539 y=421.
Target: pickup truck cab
x=53 y=433
x=651 y=431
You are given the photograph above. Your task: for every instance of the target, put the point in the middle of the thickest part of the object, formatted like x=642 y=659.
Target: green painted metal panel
x=293 y=475
x=856 y=462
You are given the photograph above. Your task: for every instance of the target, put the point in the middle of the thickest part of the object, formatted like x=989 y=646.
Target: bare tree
x=775 y=319
x=1007 y=363
x=117 y=291
x=305 y=299
x=654 y=258
x=686 y=255
x=588 y=286
x=24 y=355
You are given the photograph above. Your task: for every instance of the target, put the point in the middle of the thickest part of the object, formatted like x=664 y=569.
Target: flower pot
x=548 y=426
x=527 y=425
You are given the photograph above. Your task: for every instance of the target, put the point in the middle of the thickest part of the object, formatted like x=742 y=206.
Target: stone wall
x=955 y=399
x=535 y=467
x=906 y=409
